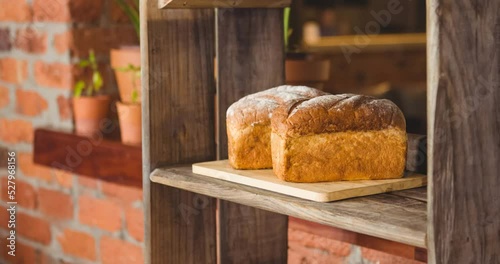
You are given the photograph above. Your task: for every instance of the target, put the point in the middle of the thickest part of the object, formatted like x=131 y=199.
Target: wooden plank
x=385 y=216
x=319 y=192
x=177 y=48
x=223 y=3
x=384 y=245
x=463 y=128
x=417 y=193
x=94 y=156
x=379 y=43
x=250 y=58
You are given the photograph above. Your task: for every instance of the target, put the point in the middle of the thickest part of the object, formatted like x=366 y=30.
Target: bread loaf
x=249 y=124
x=338 y=137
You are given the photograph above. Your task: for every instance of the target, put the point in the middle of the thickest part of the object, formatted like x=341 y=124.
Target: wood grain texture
x=464 y=124
x=417 y=193
x=223 y=3
x=177 y=49
x=95 y=156
x=250 y=58
x=385 y=216
x=319 y=192
x=384 y=245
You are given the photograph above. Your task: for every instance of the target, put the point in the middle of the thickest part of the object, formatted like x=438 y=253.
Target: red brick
x=118 y=251
x=103 y=214
x=57 y=75
x=4 y=217
x=62 y=42
x=13 y=71
x=4 y=96
x=300 y=254
x=123 y=193
x=29 y=103
x=116 y=14
x=101 y=39
x=78 y=244
x=18 y=11
x=51 y=10
x=16 y=131
x=55 y=204
x=86 y=10
x=28 y=168
x=385 y=258
x=88 y=182
x=31 y=41
x=63 y=178
x=64 y=107
x=134 y=219
x=33 y=228
x=25 y=195
x=308 y=240
x=24 y=254
x=5 y=43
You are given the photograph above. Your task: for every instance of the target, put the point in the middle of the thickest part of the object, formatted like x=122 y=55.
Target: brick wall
x=61 y=217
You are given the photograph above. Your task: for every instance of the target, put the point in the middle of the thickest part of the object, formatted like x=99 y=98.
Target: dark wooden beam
x=250 y=58
x=463 y=128
x=177 y=48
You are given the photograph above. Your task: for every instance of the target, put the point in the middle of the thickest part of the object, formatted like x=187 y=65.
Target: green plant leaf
x=135 y=96
x=132 y=11
x=97 y=81
x=92 y=60
x=77 y=90
x=83 y=63
x=286 y=23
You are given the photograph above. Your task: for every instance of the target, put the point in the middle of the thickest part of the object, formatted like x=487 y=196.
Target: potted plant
x=124 y=57
x=89 y=107
x=126 y=63
x=129 y=110
x=301 y=69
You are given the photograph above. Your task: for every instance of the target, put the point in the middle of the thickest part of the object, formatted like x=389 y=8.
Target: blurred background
x=90 y=210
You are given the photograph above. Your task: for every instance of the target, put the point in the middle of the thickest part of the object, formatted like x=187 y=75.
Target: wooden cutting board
x=320 y=192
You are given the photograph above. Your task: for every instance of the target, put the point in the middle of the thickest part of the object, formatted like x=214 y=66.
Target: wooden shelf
x=223 y=3
x=380 y=43
x=104 y=159
x=396 y=216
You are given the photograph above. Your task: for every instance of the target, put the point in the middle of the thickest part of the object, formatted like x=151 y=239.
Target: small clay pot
x=312 y=73
x=126 y=80
x=130 y=119
x=89 y=112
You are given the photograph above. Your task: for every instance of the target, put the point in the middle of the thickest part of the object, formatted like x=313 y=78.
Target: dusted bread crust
x=338 y=137
x=249 y=124
x=337 y=113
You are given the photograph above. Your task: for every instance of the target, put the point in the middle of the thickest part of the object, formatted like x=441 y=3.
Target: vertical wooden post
x=250 y=58
x=464 y=131
x=177 y=48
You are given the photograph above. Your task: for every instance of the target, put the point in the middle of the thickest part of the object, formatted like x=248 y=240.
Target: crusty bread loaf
x=338 y=137
x=249 y=124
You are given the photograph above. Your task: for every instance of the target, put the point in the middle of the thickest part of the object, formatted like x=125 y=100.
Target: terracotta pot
x=130 y=119
x=89 y=111
x=312 y=73
x=127 y=81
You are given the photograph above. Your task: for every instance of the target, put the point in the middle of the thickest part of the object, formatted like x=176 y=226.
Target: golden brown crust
x=340 y=156
x=336 y=113
x=249 y=126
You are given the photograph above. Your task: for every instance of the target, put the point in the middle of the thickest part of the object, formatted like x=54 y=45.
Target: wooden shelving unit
x=194 y=220
x=392 y=216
